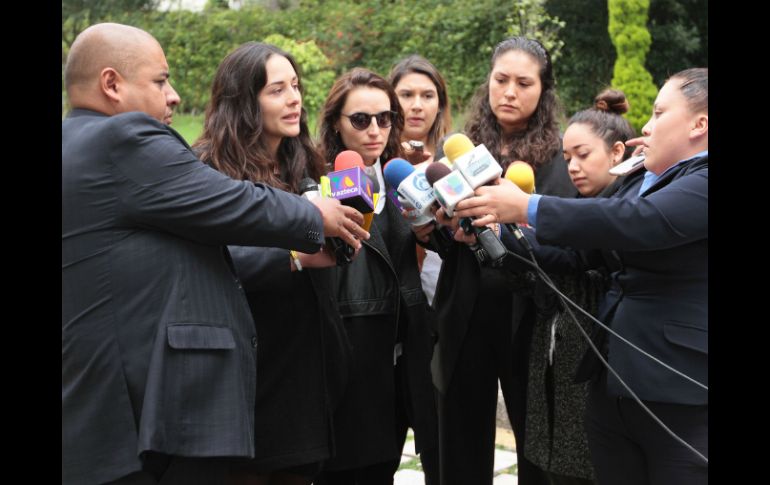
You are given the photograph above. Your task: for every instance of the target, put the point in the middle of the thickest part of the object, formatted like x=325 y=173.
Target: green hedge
x=629 y=34
x=456 y=35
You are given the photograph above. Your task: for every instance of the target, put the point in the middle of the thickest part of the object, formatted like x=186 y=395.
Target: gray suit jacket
x=158 y=344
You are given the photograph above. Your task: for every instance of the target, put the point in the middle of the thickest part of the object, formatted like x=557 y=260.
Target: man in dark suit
x=158 y=344
x=659 y=230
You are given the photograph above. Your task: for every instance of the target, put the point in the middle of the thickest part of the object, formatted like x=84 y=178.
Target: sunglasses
x=361 y=121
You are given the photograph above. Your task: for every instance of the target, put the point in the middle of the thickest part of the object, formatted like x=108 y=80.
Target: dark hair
x=232 y=140
x=540 y=141
x=331 y=141
x=605 y=120
x=419 y=65
x=695 y=88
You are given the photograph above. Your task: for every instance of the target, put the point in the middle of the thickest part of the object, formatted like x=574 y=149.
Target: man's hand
x=341 y=221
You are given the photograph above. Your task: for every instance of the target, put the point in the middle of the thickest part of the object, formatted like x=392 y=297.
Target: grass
x=189 y=126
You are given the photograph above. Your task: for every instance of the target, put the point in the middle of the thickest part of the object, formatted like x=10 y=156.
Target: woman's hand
x=413 y=156
x=422 y=232
x=502 y=202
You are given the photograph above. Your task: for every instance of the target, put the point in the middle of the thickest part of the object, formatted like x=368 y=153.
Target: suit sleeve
x=161 y=184
x=676 y=214
x=552 y=259
x=261 y=269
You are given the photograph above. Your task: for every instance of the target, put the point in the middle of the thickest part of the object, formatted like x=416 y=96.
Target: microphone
x=475 y=163
x=350 y=164
x=521 y=174
x=343 y=252
x=450 y=187
x=412 y=185
x=418 y=198
x=349 y=184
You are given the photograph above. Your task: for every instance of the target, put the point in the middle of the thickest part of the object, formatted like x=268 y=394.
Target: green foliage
x=587 y=57
x=456 y=35
x=317 y=74
x=629 y=34
x=679 y=30
x=530 y=19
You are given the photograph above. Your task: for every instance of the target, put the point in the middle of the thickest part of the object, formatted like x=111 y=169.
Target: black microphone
x=343 y=252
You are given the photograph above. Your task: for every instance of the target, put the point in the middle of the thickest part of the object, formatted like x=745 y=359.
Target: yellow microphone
x=521 y=174
x=456 y=146
x=369 y=216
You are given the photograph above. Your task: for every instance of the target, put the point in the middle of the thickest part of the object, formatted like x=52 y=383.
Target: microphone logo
x=420 y=182
x=340 y=183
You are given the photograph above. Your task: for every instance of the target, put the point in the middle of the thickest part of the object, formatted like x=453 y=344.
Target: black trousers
x=629 y=448
x=160 y=469
x=376 y=474
x=468 y=410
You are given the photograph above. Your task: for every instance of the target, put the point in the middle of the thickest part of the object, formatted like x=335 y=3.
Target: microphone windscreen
x=521 y=174
x=348 y=159
x=435 y=171
x=457 y=145
x=396 y=171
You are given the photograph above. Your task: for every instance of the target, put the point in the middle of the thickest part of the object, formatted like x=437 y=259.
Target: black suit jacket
x=158 y=344
x=660 y=294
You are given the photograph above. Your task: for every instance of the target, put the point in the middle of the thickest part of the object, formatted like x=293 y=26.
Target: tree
x=530 y=19
x=679 y=30
x=78 y=14
x=587 y=56
x=629 y=34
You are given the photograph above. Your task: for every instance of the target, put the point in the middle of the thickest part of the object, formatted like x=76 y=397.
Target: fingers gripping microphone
x=343 y=252
x=450 y=187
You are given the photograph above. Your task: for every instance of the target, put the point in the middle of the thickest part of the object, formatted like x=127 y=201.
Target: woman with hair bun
x=556 y=440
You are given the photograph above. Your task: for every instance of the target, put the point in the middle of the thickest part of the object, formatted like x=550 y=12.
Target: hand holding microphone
x=504 y=202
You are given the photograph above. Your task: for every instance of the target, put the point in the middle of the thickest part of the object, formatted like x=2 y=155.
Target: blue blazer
x=158 y=343
x=660 y=298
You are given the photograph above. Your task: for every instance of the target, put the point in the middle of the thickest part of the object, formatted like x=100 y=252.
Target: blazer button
x=254 y=341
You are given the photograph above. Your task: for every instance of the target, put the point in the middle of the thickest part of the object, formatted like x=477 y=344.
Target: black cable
x=547 y=280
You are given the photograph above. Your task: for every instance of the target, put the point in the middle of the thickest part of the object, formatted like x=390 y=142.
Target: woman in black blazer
x=659 y=229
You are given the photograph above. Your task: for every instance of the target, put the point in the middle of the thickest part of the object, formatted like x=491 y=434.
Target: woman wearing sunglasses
x=382 y=304
x=256 y=129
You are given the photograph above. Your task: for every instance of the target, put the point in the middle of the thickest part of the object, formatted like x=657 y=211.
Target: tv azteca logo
x=340 y=183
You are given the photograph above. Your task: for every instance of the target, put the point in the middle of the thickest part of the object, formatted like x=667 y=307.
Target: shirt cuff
x=534 y=200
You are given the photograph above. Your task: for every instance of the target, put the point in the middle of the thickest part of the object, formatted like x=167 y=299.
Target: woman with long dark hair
x=484 y=320
x=256 y=129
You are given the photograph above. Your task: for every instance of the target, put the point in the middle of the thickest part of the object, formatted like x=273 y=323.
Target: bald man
x=158 y=344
